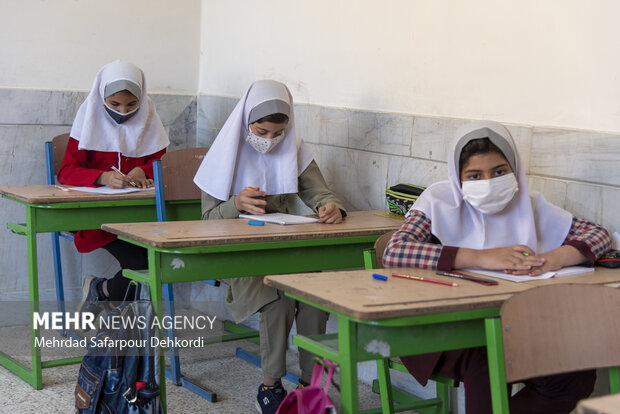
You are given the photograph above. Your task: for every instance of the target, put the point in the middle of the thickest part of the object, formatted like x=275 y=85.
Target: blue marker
x=256 y=223
x=379 y=277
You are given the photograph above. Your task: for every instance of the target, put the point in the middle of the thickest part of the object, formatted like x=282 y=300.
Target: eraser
x=256 y=223
x=379 y=277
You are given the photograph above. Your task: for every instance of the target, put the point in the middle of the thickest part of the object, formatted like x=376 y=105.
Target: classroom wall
x=381 y=87
x=544 y=63
x=51 y=51
x=60 y=44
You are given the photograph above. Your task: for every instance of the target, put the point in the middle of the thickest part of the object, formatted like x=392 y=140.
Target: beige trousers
x=276 y=320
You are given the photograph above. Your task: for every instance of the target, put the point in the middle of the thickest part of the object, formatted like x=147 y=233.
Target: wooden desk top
x=49 y=194
x=356 y=294
x=173 y=234
x=609 y=404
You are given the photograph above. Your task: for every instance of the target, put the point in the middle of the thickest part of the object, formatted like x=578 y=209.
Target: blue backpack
x=116 y=379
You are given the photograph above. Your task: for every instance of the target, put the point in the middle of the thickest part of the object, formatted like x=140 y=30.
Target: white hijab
x=528 y=219
x=231 y=164
x=141 y=135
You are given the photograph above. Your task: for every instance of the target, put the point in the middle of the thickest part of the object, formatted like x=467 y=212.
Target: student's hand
x=250 y=201
x=509 y=259
x=112 y=179
x=556 y=259
x=330 y=214
x=138 y=176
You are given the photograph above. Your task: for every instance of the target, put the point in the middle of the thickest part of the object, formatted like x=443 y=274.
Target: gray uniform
x=248 y=295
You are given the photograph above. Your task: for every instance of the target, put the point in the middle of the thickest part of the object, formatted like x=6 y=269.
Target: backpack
x=311 y=399
x=116 y=379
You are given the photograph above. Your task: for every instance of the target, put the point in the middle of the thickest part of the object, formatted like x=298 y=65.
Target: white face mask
x=490 y=196
x=261 y=144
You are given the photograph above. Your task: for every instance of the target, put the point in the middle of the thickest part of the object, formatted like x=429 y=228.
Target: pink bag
x=311 y=399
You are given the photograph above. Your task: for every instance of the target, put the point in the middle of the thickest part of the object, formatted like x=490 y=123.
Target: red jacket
x=82 y=168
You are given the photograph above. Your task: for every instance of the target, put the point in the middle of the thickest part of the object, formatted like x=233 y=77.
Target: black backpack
x=119 y=379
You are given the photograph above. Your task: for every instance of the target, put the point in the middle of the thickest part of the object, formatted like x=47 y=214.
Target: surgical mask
x=261 y=144
x=120 y=117
x=490 y=196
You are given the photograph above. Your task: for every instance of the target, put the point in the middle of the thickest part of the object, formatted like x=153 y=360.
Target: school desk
x=49 y=209
x=187 y=251
x=398 y=317
x=609 y=404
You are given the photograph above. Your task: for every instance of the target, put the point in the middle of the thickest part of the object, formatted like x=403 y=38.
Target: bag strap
x=317 y=374
x=330 y=374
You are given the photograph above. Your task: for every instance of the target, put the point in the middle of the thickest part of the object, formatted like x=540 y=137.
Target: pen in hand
x=119 y=171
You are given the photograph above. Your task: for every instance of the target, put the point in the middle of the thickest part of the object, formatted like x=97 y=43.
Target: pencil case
x=609 y=259
x=400 y=197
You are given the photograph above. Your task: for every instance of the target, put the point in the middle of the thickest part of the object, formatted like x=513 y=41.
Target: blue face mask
x=118 y=117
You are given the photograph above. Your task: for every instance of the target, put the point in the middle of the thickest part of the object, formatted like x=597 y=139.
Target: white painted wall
x=543 y=63
x=61 y=44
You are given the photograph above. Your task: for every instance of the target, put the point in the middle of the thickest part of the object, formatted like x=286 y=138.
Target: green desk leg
x=155 y=285
x=614 y=380
x=497 y=369
x=348 y=365
x=385 y=385
x=33 y=290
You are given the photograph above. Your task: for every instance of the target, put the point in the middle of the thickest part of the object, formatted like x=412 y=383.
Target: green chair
x=553 y=329
x=383 y=385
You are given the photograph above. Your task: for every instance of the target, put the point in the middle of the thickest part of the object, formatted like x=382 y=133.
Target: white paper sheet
x=280 y=218
x=566 y=271
x=107 y=190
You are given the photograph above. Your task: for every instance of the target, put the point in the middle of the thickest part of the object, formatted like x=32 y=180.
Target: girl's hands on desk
x=112 y=179
x=330 y=214
x=517 y=259
x=251 y=201
x=138 y=176
x=115 y=180
x=555 y=260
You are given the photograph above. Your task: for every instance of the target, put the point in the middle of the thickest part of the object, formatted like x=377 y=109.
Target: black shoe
x=93 y=299
x=269 y=398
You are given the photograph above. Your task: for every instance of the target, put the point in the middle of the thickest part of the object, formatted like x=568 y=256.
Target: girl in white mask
x=484 y=216
x=254 y=165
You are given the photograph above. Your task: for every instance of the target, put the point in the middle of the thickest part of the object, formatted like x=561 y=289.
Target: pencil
x=252 y=189
x=119 y=171
x=425 y=279
x=467 y=277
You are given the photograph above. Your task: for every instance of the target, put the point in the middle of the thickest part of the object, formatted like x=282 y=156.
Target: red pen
x=425 y=279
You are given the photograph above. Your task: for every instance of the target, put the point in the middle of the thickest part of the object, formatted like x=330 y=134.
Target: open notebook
x=280 y=218
x=107 y=190
x=566 y=271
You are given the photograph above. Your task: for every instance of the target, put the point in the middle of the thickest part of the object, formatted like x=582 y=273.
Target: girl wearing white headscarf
x=116 y=126
x=485 y=217
x=254 y=165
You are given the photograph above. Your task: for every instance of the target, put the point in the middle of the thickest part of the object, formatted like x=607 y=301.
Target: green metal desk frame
x=73 y=216
x=222 y=261
x=402 y=336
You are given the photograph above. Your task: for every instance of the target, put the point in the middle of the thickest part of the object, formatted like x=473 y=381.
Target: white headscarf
x=231 y=164
x=142 y=135
x=528 y=219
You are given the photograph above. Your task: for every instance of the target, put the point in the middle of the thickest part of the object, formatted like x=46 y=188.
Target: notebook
x=280 y=218
x=565 y=271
